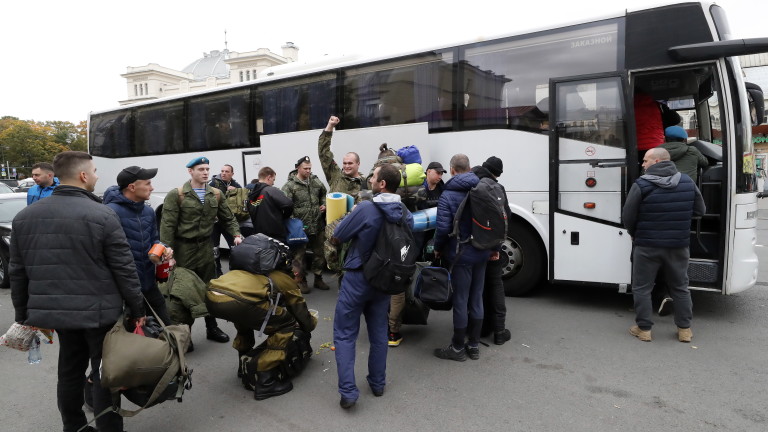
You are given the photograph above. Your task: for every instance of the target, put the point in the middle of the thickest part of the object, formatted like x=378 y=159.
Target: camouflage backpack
x=237 y=200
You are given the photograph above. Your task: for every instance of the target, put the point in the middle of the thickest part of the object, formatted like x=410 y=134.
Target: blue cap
x=198 y=161
x=675 y=132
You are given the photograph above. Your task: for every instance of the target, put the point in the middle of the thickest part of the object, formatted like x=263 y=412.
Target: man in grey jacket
x=71 y=270
x=657 y=214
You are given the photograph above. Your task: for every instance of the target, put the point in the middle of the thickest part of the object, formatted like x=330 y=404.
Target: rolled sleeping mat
x=336 y=204
x=425 y=219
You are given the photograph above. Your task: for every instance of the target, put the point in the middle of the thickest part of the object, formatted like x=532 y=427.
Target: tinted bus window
x=218 y=121
x=506 y=84
x=110 y=134
x=296 y=105
x=408 y=90
x=159 y=129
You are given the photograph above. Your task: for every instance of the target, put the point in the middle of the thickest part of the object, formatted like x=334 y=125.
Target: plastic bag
x=19 y=337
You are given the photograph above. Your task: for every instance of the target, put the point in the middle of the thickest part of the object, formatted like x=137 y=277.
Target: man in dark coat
x=268 y=206
x=223 y=182
x=71 y=270
x=467 y=263
x=657 y=214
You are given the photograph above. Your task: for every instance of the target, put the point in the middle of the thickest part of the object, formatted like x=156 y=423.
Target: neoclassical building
x=214 y=69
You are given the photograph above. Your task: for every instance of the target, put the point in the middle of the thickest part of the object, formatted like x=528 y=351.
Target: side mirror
x=756 y=103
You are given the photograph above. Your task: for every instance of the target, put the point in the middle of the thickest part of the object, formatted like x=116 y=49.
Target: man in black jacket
x=269 y=206
x=71 y=270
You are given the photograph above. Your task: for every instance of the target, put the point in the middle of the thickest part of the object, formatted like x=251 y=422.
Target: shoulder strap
x=181 y=193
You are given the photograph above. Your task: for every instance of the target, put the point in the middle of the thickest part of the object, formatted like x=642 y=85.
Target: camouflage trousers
x=315 y=244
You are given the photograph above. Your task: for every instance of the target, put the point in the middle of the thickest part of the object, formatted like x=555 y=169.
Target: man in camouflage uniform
x=308 y=195
x=243 y=298
x=189 y=214
x=346 y=179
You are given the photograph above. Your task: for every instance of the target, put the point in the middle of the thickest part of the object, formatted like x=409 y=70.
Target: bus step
x=702 y=271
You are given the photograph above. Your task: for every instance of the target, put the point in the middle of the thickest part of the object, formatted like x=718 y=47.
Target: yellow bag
x=414 y=175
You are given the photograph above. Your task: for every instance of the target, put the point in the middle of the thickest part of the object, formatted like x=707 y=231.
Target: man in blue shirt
x=45 y=182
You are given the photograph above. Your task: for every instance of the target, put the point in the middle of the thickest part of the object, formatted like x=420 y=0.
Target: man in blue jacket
x=467 y=263
x=356 y=296
x=45 y=182
x=127 y=199
x=657 y=214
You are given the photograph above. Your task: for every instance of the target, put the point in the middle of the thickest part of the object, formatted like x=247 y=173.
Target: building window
x=135 y=90
x=146 y=88
x=141 y=90
x=247 y=75
x=241 y=76
x=254 y=74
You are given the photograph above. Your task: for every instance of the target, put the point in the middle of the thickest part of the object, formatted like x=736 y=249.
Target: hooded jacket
x=71 y=266
x=456 y=189
x=687 y=158
x=363 y=225
x=269 y=208
x=307 y=197
x=659 y=207
x=140 y=226
x=36 y=193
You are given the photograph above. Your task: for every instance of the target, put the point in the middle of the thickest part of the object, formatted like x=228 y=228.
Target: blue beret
x=198 y=161
x=675 y=132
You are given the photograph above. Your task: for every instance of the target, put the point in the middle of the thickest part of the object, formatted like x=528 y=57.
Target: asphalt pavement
x=571 y=366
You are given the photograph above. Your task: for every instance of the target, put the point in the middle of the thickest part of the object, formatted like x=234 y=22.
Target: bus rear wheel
x=523 y=261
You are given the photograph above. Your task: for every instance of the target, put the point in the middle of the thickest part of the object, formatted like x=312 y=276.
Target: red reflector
x=591 y=182
x=589 y=205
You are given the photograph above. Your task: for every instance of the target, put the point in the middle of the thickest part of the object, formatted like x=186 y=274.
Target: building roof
x=210 y=65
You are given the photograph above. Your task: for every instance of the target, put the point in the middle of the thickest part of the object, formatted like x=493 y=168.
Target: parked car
x=25 y=185
x=10 y=204
x=4 y=188
x=10 y=182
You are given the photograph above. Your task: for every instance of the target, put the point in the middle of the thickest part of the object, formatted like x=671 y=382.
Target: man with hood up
x=308 y=195
x=687 y=158
x=356 y=296
x=657 y=214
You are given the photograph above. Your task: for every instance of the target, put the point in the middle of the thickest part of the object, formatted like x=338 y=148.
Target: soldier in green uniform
x=189 y=214
x=346 y=179
x=308 y=195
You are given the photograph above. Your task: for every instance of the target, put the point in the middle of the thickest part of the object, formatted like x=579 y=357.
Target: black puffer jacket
x=71 y=266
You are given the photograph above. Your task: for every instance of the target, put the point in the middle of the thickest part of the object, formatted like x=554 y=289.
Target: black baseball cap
x=133 y=173
x=436 y=166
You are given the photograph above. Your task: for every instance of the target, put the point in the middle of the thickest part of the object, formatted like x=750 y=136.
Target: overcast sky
x=63 y=59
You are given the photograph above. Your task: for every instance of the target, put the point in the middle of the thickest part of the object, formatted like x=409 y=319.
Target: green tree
x=67 y=134
x=25 y=143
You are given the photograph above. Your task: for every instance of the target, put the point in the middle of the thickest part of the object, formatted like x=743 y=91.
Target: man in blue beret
x=187 y=228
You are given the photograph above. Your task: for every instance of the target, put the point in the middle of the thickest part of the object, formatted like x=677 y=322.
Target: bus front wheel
x=524 y=261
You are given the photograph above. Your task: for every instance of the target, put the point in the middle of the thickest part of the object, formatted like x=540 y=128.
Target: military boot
x=320 y=284
x=268 y=385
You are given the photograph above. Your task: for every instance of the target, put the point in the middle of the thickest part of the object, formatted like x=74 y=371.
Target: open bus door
x=589 y=166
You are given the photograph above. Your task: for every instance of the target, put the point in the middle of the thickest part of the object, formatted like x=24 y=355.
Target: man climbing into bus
x=346 y=179
x=657 y=214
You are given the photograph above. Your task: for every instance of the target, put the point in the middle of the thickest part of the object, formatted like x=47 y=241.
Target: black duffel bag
x=434 y=287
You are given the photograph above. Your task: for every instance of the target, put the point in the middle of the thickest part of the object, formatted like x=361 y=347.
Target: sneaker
x=684 y=334
x=320 y=284
x=473 y=352
x=448 y=353
x=215 y=334
x=502 y=336
x=643 y=335
x=665 y=308
x=347 y=403
x=395 y=339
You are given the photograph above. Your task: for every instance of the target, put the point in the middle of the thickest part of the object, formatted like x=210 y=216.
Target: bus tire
x=524 y=260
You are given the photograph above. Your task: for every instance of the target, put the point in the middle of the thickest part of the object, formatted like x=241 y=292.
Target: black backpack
x=489 y=218
x=260 y=254
x=392 y=264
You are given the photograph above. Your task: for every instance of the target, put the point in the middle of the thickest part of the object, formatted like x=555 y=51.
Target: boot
x=305 y=289
x=319 y=284
x=268 y=385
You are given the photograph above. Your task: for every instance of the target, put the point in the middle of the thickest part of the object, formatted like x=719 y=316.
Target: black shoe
x=377 y=393
x=347 y=403
x=88 y=394
x=502 y=336
x=215 y=334
x=449 y=353
x=472 y=352
x=191 y=347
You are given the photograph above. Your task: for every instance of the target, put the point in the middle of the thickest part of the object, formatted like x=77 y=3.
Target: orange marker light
x=589 y=205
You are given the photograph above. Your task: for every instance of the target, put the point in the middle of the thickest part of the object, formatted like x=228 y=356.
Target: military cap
x=198 y=161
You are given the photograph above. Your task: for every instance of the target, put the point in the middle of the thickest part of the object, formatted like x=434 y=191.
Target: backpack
x=392 y=264
x=237 y=200
x=296 y=235
x=409 y=154
x=260 y=254
x=489 y=218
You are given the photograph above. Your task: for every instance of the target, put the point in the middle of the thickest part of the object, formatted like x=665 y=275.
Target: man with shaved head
x=657 y=214
x=346 y=179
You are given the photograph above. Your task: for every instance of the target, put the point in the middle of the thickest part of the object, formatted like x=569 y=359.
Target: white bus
x=555 y=105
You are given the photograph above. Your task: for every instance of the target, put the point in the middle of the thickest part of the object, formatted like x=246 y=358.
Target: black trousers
x=494 y=299
x=78 y=348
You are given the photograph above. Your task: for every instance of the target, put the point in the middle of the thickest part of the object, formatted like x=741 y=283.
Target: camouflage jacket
x=337 y=181
x=184 y=294
x=307 y=198
x=188 y=218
